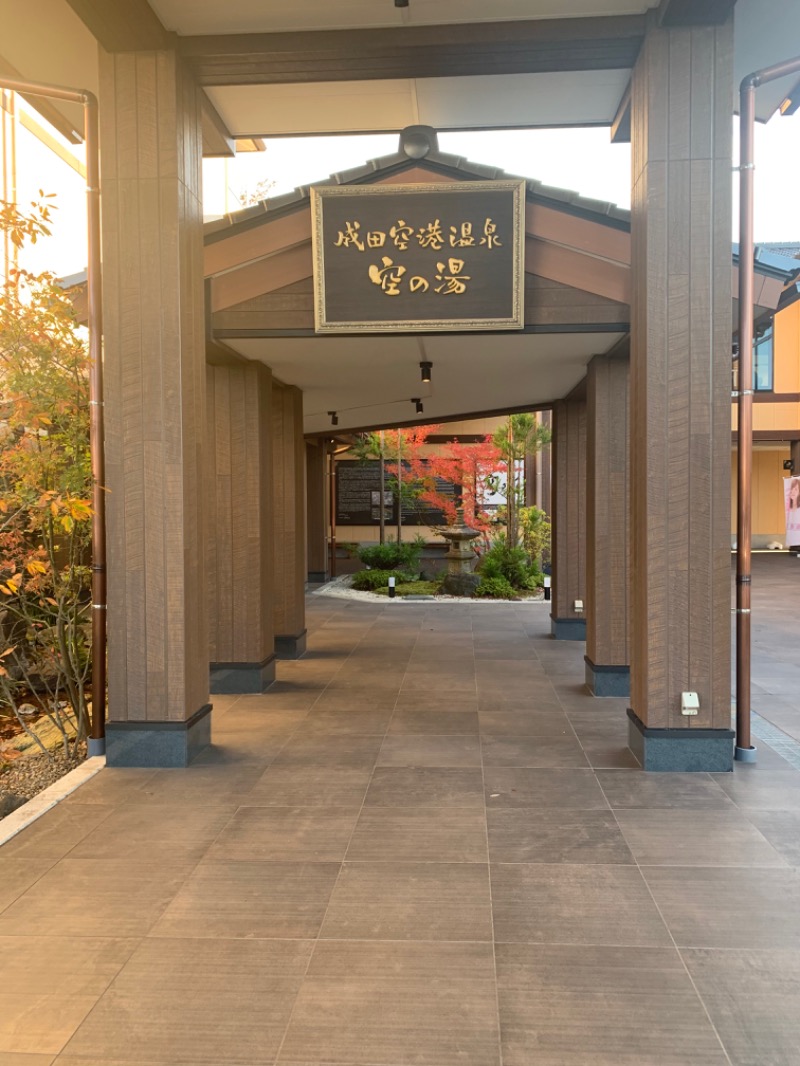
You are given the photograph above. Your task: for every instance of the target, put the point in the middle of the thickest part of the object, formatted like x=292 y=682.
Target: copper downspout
x=97 y=732
x=744 y=751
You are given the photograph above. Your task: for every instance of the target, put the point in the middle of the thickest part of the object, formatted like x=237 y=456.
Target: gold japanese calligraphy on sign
x=397 y=258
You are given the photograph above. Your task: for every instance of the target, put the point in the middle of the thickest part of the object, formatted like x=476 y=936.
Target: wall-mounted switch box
x=690 y=703
x=578 y=606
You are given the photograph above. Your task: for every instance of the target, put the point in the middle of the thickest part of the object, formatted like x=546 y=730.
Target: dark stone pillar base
x=158 y=744
x=318 y=577
x=290 y=647
x=236 y=678
x=568 y=628
x=607 y=680
x=681 y=750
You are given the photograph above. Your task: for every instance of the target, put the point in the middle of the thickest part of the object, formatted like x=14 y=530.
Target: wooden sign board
x=398 y=258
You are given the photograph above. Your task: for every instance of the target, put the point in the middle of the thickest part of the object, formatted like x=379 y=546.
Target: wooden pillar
x=567 y=621
x=288 y=521
x=239 y=553
x=159 y=714
x=607 y=526
x=680 y=398
x=317 y=510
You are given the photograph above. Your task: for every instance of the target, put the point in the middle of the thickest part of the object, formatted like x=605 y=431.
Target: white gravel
x=339 y=588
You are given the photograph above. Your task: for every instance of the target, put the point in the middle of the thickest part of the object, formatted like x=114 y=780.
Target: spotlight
x=418 y=404
x=334 y=418
x=425 y=370
x=401 y=3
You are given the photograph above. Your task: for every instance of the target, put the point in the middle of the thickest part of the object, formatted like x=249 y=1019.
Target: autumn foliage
x=45 y=479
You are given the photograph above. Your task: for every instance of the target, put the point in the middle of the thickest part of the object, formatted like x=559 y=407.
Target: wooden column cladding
x=155 y=390
x=680 y=377
x=239 y=549
x=607 y=525
x=317 y=496
x=568 y=518
x=288 y=520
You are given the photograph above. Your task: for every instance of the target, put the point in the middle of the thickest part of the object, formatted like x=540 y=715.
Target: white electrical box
x=578 y=606
x=690 y=703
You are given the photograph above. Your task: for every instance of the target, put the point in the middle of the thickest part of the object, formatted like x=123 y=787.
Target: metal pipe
x=382 y=505
x=88 y=100
x=744 y=750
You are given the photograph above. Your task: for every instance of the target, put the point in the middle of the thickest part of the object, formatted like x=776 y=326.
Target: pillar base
x=158 y=744
x=680 y=750
x=568 y=628
x=607 y=680
x=238 y=678
x=290 y=647
x=318 y=577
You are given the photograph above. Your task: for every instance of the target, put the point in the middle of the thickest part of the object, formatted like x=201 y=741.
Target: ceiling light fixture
x=401 y=3
x=425 y=369
x=418 y=404
x=334 y=418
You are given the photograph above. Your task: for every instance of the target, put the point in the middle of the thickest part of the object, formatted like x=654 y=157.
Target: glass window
x=762 y=359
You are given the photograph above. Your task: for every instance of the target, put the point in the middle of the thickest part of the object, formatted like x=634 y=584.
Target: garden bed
x=341 y=588
x=25 y=770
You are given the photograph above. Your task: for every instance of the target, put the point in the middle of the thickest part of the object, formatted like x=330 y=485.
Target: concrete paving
x=426 y=845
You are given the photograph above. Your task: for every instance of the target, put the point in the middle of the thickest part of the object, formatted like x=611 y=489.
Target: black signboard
x=419 y=257
x=358 y=497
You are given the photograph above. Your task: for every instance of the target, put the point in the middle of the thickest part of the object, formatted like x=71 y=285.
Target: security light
x=425 y=370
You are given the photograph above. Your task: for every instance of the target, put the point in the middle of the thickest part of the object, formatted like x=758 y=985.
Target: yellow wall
x=786 y=376
x=768 y=474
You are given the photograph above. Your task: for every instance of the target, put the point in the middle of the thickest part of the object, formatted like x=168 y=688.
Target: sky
x=583 y=160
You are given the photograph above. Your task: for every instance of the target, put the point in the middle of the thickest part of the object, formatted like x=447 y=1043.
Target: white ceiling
x=493 y=102
x=371 y=380
x=265 y=16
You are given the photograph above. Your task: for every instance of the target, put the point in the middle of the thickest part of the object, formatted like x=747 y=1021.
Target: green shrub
x=369 y=580
x=496 y=588
x=391 y=556
x=509 y=563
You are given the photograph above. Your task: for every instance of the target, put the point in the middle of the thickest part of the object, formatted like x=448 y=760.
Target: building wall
x=769 y=522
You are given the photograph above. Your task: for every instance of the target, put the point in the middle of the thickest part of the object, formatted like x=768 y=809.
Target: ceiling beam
x=217 y=138
x=621 y=126
x=524 y=47
x=695 y=12
x=123 y=25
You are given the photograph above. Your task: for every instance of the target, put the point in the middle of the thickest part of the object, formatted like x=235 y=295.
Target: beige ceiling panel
x=338 y=107
x=558 y=99
x=258 y=16
x=370 y=381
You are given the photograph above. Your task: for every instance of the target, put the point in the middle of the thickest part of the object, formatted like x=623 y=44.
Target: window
x=762 y=359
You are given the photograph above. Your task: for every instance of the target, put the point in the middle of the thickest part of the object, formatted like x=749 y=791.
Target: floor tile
x=200 y=785
x=753 y=998
x=410 y=901
x=77 y=897
x=396 y=786
x=777 y=791
x=53 y=837
x=554 y=836
x=428 y=750
x=601 y=1006
x=632 y=788
x=251 y=900
x=427 y=1004
x=419 y=834
x=526 y=723
x=18 y=875
x=695 y=838
x=526 y=787
x=782 y=830
x=285 y=834
x=541 y=751
x=208 y=1001
x=351 y=752
x=574 y=905
x=717 y=908
x=440 y=723
x=112 y=787
x=152 y=832
x=290 y=786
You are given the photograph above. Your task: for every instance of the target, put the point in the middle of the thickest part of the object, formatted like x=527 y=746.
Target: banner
x=791 y=497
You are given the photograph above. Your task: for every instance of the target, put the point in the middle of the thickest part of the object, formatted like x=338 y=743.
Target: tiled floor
x=425 y=846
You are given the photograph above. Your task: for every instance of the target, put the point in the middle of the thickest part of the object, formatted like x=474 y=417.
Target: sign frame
x=517 y=187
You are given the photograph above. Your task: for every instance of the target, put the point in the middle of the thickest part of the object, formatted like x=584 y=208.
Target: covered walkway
x=425 y=844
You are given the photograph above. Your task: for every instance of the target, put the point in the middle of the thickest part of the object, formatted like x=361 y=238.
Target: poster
x=791 y=497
